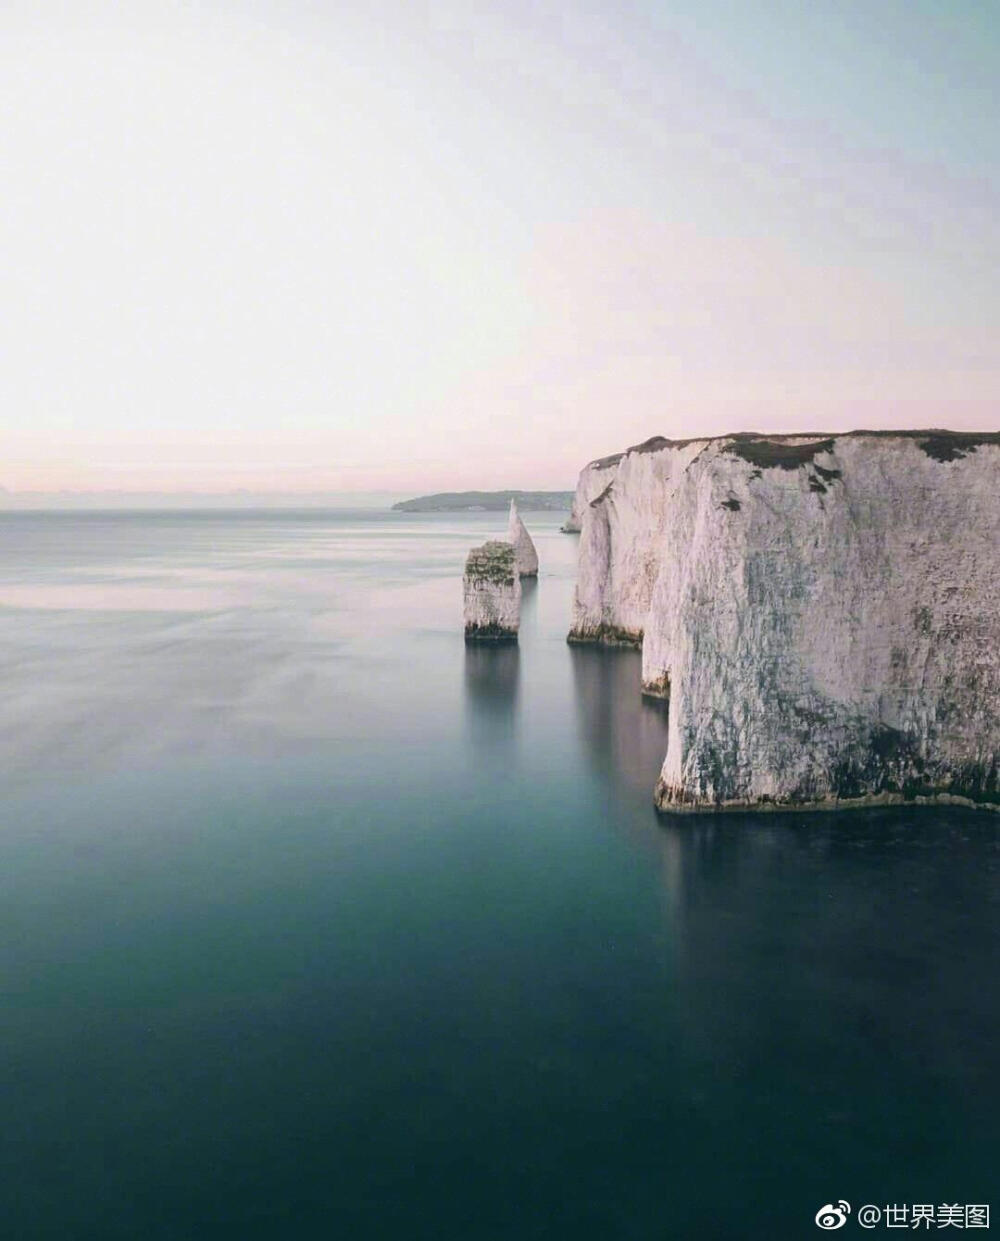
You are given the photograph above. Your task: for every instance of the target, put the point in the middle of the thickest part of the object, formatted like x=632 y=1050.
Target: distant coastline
x=191 y=501
x=486 y=501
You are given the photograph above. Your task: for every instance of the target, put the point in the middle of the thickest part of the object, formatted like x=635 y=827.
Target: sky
x=285 y=245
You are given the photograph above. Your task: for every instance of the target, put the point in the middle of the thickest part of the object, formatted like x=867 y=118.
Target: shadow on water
x=848 y=953
x=529 y=602
x=492 y=677
x=625 y=735
x=851 y=954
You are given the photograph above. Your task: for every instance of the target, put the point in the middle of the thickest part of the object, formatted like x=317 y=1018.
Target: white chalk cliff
x=823 y=613
x=492 y=593
x=524 y=548
x=592 y=481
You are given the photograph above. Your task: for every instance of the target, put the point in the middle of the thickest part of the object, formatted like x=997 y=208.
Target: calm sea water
x=314 y=923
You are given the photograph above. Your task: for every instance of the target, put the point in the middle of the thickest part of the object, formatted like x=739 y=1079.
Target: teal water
x=314 y=923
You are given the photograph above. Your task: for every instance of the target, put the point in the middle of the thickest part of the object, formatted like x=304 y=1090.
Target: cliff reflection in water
x=492 y=676
x=492 y=679
x=625 y=738
x=625 y=734
x=831 y=944
x=529 y=602
x=821 y=947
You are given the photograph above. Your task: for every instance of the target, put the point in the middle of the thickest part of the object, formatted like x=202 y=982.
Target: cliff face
x=822 y=611
x=491 y=590
x=592 y=481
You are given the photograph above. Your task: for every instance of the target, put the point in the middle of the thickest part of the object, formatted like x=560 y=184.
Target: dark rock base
x=605 y=635
x=674 y=801
x=489 y=633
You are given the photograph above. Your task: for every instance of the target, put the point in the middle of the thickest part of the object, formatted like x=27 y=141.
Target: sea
x=317 y=923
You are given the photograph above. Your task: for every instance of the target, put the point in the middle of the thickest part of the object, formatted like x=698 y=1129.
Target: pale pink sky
x=258 y=246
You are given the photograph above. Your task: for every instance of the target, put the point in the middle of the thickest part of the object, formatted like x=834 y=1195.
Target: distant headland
x=487 y=502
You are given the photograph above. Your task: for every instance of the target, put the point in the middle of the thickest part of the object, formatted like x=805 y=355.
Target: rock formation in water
x=592 y=481
x=492 y=593
x=823 y=612
x=524 y=548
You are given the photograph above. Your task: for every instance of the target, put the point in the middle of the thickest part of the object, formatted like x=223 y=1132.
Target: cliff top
x=787 y=451
x=492 y=562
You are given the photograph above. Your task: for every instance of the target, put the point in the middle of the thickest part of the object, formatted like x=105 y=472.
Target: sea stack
x=821 y=612
x=524 y=548
x=492 y=591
